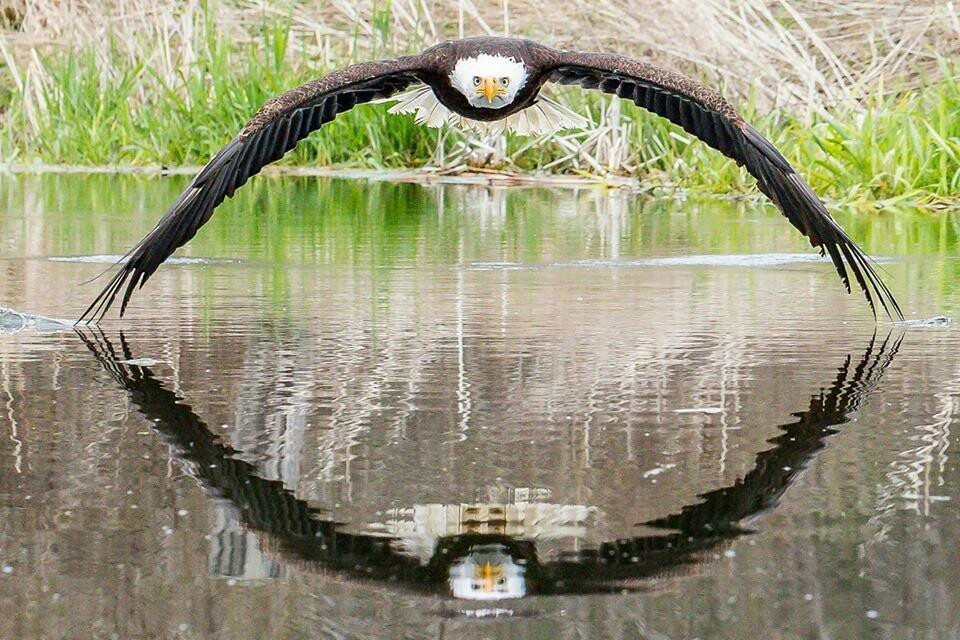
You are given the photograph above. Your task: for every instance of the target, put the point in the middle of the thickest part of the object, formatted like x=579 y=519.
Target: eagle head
x=488 y=81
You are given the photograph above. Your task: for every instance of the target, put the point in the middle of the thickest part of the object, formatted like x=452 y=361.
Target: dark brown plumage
x=285 y=120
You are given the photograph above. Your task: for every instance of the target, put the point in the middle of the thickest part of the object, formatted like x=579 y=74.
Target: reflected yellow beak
x=491 y=88
x=488 y=572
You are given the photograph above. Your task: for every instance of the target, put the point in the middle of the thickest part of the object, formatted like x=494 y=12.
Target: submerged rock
x=141 y=362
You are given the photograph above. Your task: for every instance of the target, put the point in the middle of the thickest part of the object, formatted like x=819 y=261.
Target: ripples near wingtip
x=705 y=260
x=935 y=321
x=12 y=321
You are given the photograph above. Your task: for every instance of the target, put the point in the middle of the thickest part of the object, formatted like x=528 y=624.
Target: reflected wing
x=275 y=129
x=776 y=469
x=293 y=529
x=714 y=521
x=704 y=113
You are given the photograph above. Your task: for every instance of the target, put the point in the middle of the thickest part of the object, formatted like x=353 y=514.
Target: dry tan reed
x=809 y=56
x=804 y=53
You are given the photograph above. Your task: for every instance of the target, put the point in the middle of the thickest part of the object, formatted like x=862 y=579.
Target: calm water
x=373 y=410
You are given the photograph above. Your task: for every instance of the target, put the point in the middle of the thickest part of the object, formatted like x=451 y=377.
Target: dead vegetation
x=811 y=57
x=800 y=53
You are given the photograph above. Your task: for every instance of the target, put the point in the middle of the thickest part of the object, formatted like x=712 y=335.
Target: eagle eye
x=476 y=81
x=505 y=81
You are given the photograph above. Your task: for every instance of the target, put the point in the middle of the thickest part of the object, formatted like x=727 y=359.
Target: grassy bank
x=99 y=104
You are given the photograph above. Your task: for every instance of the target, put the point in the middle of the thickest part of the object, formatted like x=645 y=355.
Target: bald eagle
x=491 y=83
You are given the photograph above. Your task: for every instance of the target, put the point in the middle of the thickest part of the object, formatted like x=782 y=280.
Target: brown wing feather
x=706 y=114
x=274 y=129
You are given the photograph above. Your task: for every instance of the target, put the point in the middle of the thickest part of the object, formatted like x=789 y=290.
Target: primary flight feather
x=494 y=84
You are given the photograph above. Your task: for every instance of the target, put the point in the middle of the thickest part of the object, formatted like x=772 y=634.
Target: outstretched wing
x=706 y=114
x=275 y=129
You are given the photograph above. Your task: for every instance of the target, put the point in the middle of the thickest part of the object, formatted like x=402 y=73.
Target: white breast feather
x=542 y=117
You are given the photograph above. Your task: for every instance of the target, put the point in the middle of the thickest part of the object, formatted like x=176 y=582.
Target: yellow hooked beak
x=491 y=88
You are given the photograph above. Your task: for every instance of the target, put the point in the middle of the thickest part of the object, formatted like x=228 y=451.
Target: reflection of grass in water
x=298 y=220
x=901 y=147
x=296 y=232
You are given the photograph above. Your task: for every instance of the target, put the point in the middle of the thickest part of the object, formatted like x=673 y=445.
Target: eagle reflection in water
x=491 y=564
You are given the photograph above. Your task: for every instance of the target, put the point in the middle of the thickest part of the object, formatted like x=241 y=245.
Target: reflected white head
x=487 y=572
x=488 y=82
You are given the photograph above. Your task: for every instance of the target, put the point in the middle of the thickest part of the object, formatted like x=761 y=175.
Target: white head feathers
x=469 y=74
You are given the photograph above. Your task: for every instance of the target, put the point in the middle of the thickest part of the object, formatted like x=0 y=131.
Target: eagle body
x=535 y=58
x=494 y=84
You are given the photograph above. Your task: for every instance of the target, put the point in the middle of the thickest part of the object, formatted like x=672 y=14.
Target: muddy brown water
x=356 y=409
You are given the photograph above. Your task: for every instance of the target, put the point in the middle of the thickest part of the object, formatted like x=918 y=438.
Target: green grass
x=901 y=147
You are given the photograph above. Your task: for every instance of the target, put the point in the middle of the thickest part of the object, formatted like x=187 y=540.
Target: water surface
x=371 y=410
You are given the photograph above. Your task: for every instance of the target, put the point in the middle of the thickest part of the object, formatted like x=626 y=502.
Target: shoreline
x=425 y=175
x=480 y=177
